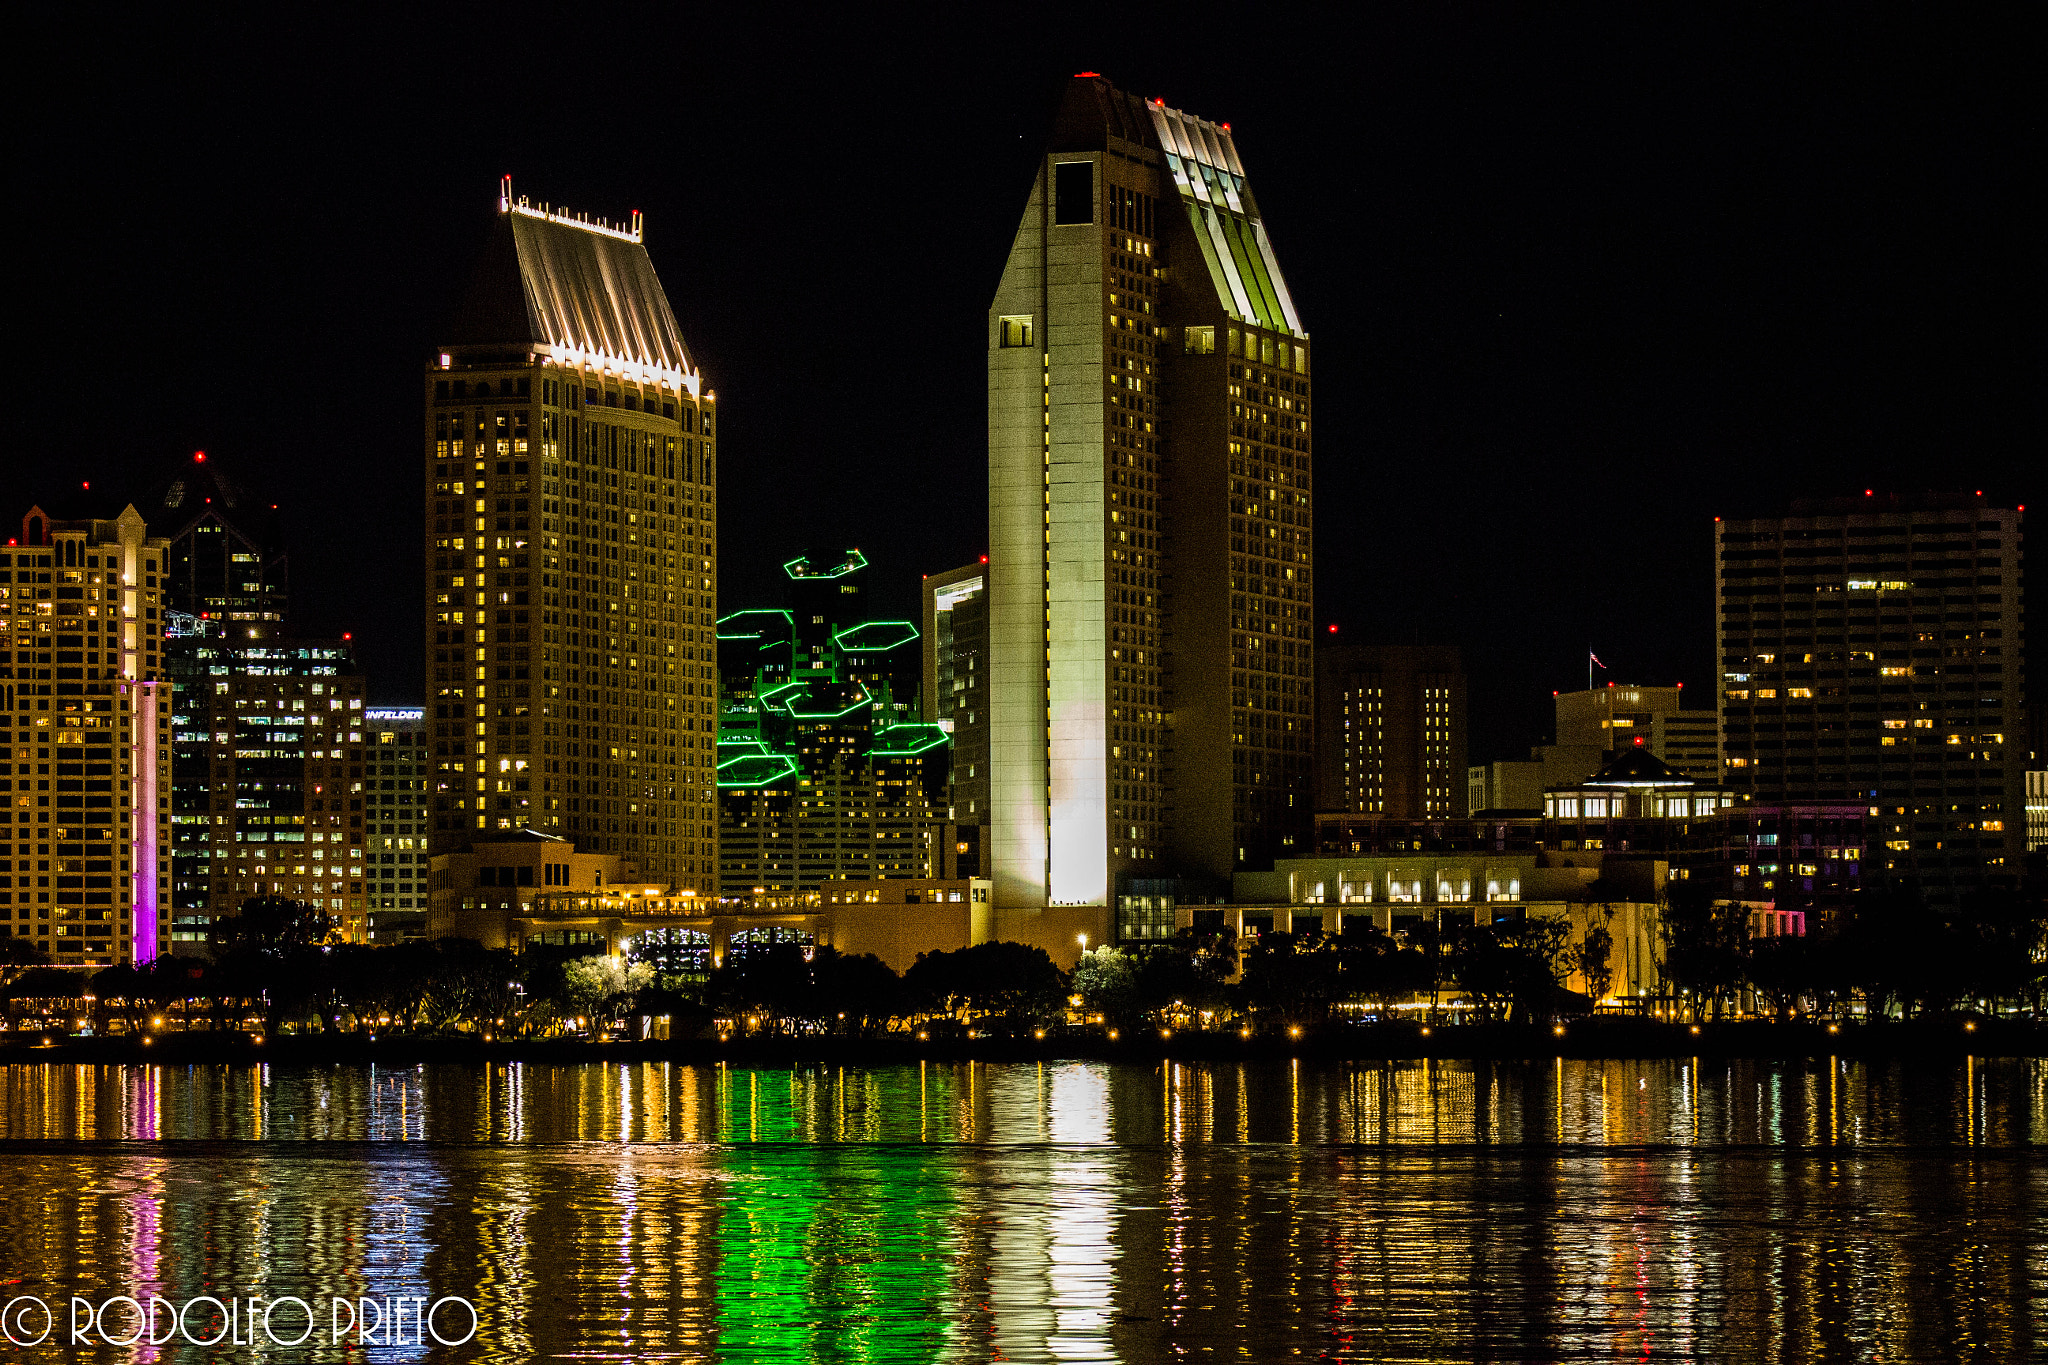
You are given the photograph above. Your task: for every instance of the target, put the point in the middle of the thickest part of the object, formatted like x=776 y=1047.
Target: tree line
x=1892 y=954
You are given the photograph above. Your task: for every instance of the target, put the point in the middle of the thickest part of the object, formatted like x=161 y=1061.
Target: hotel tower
x=1150 y=694
x=571 y=570
x=85 y=722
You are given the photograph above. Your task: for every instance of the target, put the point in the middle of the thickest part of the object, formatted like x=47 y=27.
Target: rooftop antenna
x=505 y=194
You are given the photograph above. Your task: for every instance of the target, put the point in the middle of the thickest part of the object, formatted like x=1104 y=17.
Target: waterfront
x=1426 y=1210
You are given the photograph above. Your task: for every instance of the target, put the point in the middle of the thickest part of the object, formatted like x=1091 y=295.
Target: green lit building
x=825 y=769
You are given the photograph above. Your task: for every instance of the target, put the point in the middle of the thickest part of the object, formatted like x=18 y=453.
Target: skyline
x=1547 y=254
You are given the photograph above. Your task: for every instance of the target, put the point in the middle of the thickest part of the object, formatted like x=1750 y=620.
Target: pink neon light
x=143 y=834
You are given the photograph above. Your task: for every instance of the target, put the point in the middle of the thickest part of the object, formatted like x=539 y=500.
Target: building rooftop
x=582 y=291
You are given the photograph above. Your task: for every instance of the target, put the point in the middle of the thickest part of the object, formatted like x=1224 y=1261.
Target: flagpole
x=1589 y=668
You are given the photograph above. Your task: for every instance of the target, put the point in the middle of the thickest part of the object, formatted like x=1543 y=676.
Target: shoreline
x=1605 y=1040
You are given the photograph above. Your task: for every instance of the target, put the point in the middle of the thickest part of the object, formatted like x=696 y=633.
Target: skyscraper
x=1870 y=650
x=954 y=693
x=1391 y=733
x=269 y=734
x=1151 y=697
x=825 y=772
x=572 y=570
x=85 y=719
x=227 y=591
x=227 y=557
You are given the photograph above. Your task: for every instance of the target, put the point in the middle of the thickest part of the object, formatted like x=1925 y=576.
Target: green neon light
x=800 y=567
x=756 y=770
x=864 y=700
x=872 y=637
x=905 y=741
x=732 y=618
x=767 y=699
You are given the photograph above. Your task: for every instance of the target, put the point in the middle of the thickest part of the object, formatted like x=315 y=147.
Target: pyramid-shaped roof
x=1635 y=767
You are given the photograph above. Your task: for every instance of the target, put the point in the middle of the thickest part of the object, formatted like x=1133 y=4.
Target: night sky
x=1575 y=285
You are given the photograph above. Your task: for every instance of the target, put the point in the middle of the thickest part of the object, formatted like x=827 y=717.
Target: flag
x=1595 y=658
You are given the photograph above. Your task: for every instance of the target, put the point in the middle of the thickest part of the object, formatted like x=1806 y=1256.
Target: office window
x=1014 y=331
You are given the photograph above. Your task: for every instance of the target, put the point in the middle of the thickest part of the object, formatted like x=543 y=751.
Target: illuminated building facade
x=1151 y=704
x=1627 y=716
x=269 y=734
x=395 y=774
x=1391 y=731
x=1870 y=652
x=85 y=719
x=954 y=694
x=823 y=775
x=227 y=588
x=571 y=547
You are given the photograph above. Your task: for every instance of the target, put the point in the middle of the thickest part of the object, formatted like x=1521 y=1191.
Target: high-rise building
x=954 y=695
x=227 y=558
x=227 y=590
x=1870 y=650
x=85 y=721
x=270 y=734
x=824 y=774
x=1151 y=707
x=395 y=774
x=1625 y=716
x=571 y=547
x=1390 y=730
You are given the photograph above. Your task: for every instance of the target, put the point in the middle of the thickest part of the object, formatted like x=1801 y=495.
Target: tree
x=1510 y=970
x=1704 y=942
x=1593 y=960
x=854 y=993
x=1292 y=975
x=1011 y=980
x=600 y=985
x=264 y=952
x=1106 y=979
x=1375 y=968
x=1782 y=971
x=20 y=952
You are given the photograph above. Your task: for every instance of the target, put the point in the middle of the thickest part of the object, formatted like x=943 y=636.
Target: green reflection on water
x=832 y=1245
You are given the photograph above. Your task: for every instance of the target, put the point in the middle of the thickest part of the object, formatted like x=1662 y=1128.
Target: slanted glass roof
x=1225 y=217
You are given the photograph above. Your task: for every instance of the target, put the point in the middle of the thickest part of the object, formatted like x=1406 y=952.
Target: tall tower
x=1870 y=652
x=572 y=580
x=1151 y=700
x=227 y=600
x=85 y=716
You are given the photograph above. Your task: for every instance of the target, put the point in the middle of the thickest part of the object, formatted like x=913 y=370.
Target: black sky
x=1577 y=281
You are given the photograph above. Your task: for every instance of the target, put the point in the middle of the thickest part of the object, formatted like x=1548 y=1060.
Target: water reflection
x=1064 y=1212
